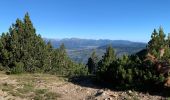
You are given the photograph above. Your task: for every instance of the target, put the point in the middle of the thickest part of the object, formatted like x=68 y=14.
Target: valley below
x=79 y=50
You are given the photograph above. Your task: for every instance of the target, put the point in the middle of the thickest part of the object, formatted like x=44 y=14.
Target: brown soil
x=50 y=87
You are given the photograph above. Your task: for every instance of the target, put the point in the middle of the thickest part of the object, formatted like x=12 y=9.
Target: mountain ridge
x=80 y=50
x=80 y=43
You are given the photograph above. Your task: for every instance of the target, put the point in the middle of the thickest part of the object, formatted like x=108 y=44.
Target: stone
x=113 y=95
x=99 y=93
x=88 y=92
x=129 y=91
x=167 y=83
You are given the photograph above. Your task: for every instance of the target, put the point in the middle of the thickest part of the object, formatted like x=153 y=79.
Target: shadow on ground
x=91 y=82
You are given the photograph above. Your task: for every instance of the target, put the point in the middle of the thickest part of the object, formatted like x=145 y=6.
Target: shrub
x=18 y=68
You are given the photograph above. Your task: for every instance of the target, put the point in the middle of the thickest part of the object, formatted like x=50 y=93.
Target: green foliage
x=18 y=68
x=51 y=96
x=157 y=42
x=135 y=71
x=62 y=64
x=22 y=50
x=92 y=63
x=130 y=72
x=107 y=59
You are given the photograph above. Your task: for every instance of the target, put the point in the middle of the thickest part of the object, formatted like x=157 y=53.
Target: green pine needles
x=22 y=50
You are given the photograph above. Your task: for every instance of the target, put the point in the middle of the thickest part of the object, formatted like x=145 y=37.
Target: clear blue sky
x=91 y=19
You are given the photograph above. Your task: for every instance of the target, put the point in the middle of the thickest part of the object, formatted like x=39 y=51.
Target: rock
x=104 y=94
x=167 y=83
x=108 y=98
x=113 y=95
x=130 y=91
x=99 y=93
x=1 y=93
x=1 y=98
x=88 y=92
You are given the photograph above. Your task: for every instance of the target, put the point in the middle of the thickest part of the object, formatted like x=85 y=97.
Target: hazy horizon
x=91 y=39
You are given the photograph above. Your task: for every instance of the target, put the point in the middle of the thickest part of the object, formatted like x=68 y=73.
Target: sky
x=132 y=20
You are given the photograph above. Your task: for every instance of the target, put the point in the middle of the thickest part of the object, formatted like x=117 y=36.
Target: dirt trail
x=50 y=87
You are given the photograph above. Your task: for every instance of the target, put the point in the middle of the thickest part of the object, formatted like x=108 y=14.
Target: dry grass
x=51 y=87
x=29 y=86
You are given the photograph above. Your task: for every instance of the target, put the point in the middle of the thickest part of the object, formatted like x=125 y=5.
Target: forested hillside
x=146 y=70
x=22 y=50
x=79 y=44
x=80 y=50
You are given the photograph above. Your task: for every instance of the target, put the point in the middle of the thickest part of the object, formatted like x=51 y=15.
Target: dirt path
x=50 y=87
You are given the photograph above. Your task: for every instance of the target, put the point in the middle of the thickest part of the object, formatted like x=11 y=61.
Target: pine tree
x=161 y=39
x=22 y=50
x=63 y=60
x=92 y=63
x=23 y=45
x=105 y=62
x=168 y=40
x=107 y=59
x=152 y=44
x=157 y=42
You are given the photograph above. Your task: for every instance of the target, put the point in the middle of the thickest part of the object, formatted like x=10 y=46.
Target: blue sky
x=91 y=19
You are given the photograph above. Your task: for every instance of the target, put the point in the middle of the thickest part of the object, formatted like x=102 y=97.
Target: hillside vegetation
x=79 y=50
x=22 y=52
x=147 y=70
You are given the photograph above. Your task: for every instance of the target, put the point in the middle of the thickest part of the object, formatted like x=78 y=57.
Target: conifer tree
x=157 y=42
x=105 y=62
x=107 y=59
x=92 y=63
x=23 y=46
x=23 y=50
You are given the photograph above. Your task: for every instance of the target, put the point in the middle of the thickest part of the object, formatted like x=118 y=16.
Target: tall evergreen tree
x=23 y=47
x=92 y=63
x=105 y=62
x=22 y=50
x=107 y=59
x=157 y=42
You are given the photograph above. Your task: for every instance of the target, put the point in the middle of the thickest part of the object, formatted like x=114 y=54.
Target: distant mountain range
x=80 y=49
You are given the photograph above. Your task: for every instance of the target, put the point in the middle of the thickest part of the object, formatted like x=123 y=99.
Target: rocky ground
x=50 y=87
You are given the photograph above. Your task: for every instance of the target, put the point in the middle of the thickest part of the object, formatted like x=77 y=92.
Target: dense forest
x=24 y=51
x=148 y=69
